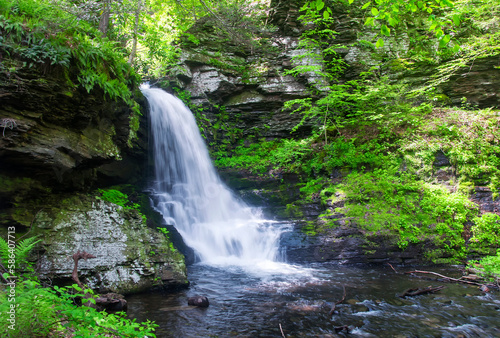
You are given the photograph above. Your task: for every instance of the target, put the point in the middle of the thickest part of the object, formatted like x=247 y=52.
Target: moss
x=134 y=124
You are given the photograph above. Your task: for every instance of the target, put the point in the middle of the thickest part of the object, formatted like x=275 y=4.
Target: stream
x=245 y=304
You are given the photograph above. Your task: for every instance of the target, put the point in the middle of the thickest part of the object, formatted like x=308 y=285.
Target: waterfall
x=221 y=229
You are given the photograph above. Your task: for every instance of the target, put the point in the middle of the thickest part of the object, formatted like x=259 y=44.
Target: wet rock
x=199 y=301
x=112 y=302
x=441 y=160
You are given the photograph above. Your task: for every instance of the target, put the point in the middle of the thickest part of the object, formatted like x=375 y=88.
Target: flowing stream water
x=253 y=292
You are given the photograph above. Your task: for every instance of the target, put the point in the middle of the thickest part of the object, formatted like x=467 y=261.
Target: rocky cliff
x=241 y=88
x=58 y=144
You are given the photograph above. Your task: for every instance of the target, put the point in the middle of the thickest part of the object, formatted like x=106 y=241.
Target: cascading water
x=220 y=228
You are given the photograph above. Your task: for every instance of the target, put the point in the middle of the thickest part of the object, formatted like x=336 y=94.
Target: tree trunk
x=104 y=20
x=136 y=28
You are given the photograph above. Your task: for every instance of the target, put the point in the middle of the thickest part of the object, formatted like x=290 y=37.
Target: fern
x=21 y=251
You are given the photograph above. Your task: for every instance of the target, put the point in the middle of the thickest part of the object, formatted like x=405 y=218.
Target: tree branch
x=445 y=277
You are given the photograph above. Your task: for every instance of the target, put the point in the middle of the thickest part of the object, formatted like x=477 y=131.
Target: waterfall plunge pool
x=299 y=298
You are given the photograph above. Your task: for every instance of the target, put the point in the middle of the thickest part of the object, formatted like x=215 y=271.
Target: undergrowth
x=40 y=34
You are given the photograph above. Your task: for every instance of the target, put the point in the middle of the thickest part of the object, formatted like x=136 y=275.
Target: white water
x=188 y=192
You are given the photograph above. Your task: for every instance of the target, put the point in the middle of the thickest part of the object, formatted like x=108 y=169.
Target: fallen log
x=417 y=291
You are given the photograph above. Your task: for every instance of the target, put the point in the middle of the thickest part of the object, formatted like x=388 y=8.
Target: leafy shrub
x=42 y=312
x=485 y=232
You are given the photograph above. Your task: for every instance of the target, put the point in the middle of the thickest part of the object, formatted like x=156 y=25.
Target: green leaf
x=370 y=21
x=319 y=5
x=380 y=43
x=385 y=30
x=374 y=11
x=326 y=15
x=393 y=22
x=456 y=19
x=365 y=6
x=444 y=41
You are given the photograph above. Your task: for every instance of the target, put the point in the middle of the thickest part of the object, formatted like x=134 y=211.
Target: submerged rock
x=199 y=301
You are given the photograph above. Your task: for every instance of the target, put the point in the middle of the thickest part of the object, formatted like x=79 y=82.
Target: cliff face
x=58 y=144
x=251 y=83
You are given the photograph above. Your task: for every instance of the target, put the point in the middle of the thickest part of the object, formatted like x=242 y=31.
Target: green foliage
x=488 y=266
x=43 y=312
x=383 y=14
x=14 y=257
x=42 y=34
x=485 y=232
x=167 y=234
x=408 y=210
x=114 y=196
x=387 y=165
x=117 y=197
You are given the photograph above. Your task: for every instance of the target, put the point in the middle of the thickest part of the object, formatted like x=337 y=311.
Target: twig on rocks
x=336 y=303
x=392 y=267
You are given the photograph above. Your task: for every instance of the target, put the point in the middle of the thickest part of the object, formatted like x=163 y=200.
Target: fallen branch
x=445 y=277
x=416 y=292
x=282 y=334
x=392 y=267
x=109 y=301
x=336 y=303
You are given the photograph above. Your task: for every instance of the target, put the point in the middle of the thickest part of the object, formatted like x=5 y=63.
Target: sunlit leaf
x=365 y=6
x=374 y=11
x=370 y=21
x=385 y=30
x=393 y=22
x=380 y=43
x=319 y=5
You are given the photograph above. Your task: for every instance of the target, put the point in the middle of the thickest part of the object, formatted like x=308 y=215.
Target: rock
x=441 y=160
x=129 y=256
x=112 y=302
x=484 y=288
x=199 y=301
